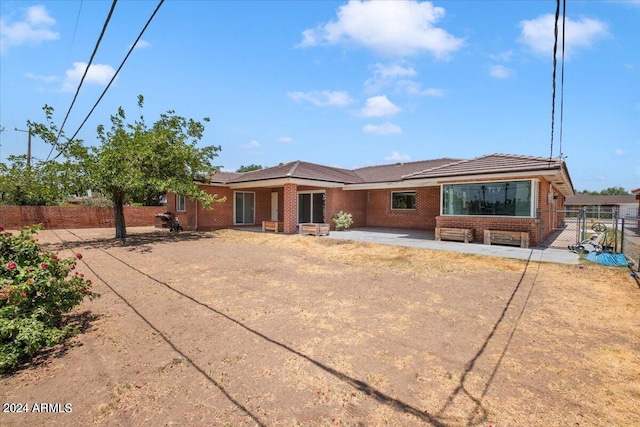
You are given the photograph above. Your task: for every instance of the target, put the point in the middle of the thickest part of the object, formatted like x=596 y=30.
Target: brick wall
x=353 y=202
x=423 y=217
x=481 y=223
x=58 y=217
x=290 y=208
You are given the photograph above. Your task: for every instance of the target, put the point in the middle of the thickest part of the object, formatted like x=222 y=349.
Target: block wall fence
x=58 y=217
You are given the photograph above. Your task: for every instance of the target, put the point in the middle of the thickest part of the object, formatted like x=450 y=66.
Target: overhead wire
x=564 y=16
x=553 y=79
x=117 y=71
x=73 y=38
x=93 y=54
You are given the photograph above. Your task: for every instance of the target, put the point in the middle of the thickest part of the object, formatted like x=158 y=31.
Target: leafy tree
x=611 y=191
x=135 y=159
x=43 y=183
x=249 y=168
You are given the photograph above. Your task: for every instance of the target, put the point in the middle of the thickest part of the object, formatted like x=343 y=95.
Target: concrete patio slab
x=426 y=240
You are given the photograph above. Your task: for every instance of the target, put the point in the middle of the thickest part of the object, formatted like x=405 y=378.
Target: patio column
x=290 y=208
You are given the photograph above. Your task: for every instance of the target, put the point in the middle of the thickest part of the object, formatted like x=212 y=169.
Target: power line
x=553 y=79
x=93 y=54
x=564 y=17
x=117 y=71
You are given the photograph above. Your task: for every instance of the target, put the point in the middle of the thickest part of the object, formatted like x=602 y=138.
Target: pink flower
x=1 y=228
x=79 y=256
x=43 y=265
x=55 y=258
x=11 y=265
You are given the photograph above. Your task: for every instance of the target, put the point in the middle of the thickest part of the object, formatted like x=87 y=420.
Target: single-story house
x=636 y=192
x=492 y=192
x=624 y=204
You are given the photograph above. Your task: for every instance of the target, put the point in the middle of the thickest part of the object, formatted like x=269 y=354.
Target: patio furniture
x=457 y=234
x=272 y=226
x=503 y=237
x=315 y=229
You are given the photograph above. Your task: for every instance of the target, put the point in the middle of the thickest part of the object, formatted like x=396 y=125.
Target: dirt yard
x=236 y=328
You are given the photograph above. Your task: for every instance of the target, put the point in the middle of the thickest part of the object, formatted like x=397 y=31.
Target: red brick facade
x=58 y=217
x=423 y=217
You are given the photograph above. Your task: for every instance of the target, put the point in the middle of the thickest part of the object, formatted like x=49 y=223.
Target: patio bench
x=315 y=229
x=272 y=226
x=503 y=237
x=458 y=234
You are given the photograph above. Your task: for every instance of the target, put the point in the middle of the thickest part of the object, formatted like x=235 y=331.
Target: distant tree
x=249 y=168
x=611 y=191
x=135 y=159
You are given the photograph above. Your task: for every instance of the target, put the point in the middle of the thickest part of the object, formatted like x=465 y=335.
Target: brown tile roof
x=491 y=163
x=395 y=172
x=301 y=170
x=223 y=177
x=599 y=200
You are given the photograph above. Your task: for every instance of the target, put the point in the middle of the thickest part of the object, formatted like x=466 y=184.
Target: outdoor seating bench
x=315 y=229
x=503 y=237
x=272 y=226
x=458 y=234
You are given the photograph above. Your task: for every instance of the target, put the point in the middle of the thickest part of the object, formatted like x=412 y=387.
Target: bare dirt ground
x=237 y=328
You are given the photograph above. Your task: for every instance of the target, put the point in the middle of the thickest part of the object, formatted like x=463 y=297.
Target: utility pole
x=28 y=145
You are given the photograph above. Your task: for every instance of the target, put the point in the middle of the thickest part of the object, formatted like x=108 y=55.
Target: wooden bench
x=458 y=234
x=502 y=237
x=315 y=229
x=272 y=226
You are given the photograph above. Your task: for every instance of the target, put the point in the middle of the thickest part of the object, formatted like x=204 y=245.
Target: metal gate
x=630 y=237
x=577 y=224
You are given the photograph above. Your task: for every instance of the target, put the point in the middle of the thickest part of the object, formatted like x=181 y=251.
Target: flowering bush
x=36 y=290
x=342 y=220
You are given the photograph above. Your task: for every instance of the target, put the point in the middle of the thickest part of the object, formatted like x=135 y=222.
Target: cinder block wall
x=58 y=217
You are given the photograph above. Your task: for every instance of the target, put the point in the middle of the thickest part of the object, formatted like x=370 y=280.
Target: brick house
x=496 y=191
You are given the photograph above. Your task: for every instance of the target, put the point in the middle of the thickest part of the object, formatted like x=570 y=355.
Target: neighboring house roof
x=396 y=172
x=599 y=200
x=636 y=191
x=301 y=170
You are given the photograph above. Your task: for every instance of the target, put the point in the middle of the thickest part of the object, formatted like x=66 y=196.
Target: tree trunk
x=118 y=215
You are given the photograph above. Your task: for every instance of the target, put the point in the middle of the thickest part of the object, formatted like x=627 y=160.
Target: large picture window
x=403 y=200
x=244 y=207
x=311 y=208
x=510 y=198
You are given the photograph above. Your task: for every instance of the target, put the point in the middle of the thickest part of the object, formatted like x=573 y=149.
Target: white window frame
x=181 y=203
x=415 y=196
x=235 y=208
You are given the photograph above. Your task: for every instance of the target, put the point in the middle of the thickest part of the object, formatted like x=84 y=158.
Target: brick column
x=290 y=208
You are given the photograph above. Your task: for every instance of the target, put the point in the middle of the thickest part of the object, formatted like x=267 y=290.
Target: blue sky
x=345 y=84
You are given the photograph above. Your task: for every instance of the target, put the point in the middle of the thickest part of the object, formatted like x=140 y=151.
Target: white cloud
x=620 y=152
x=35 y=28
x=323 y=98
x=538 y=34
x=503 y=56
x=46 y=79
x=414 y=89
x=386 y=75
x=379 y=106
x=286 y=139
x=500 y=72
x=252 y=145
x=142 y=44
x=395 y=156
x=396 y=28
x=383 y=129
x=98 y=74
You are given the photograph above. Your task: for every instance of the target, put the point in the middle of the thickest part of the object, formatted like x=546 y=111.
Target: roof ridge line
x=293 y=168
x=436 y=168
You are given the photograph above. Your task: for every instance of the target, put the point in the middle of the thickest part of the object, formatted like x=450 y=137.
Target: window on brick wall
x=181 y=203
x=403 y=200
x=508 y=198
x=311 y=207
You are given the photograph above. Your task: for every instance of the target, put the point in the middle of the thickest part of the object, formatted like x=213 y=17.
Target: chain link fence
x=630 y=240
x=579 y=224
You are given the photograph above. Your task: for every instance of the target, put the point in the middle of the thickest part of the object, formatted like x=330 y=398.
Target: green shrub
x=36 y=289
x=342 y=220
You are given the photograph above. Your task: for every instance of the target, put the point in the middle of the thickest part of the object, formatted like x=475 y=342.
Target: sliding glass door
x=244 y=207
x=311 y=208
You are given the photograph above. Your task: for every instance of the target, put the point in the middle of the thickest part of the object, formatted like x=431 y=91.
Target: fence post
x=584 y=224
x=622 y=238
